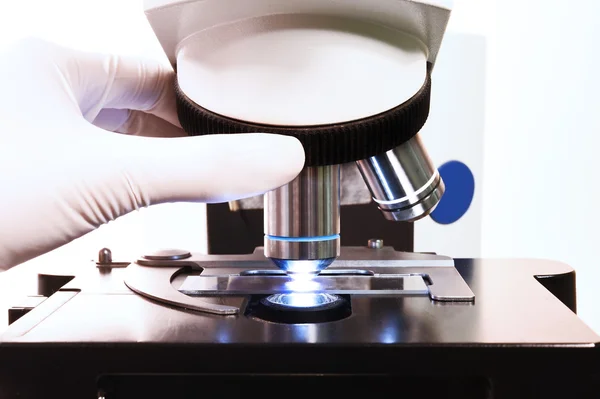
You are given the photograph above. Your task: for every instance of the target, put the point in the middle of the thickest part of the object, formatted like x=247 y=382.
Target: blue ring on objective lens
x=304 y=239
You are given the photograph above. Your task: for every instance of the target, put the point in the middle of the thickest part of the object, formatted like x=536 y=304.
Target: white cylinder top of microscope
x=299 y=70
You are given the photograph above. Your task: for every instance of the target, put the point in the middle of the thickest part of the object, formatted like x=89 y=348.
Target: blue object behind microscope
x=460 y=188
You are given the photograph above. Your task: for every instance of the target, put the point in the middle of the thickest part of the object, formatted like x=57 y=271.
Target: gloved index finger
x=120 y=82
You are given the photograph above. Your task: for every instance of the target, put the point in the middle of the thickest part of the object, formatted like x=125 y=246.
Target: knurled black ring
x=326 y=144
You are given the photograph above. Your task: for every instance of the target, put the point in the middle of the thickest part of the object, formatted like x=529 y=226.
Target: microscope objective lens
x=294 y=267
x=302 y=299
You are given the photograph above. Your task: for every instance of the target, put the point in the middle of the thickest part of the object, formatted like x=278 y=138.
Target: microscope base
x=519 y=338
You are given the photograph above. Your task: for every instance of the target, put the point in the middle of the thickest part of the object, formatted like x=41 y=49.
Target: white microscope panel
x=454 y=133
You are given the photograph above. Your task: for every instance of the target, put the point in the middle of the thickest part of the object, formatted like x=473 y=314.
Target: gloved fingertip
x=279 y=157
x=213 y=168
x=289 y=151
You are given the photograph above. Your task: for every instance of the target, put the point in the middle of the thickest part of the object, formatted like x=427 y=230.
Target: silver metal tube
x=302 y=221
x=403 y=181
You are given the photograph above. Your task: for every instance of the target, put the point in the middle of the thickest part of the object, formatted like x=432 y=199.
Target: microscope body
x=351 y=80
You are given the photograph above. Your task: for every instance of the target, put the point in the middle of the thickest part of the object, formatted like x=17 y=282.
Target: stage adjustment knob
x=168 y=254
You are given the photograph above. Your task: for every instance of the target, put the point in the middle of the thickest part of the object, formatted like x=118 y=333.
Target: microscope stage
x=386 y=284
x=520 y=326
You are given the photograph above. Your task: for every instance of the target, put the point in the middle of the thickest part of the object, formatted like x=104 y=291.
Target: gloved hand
x=62 y=174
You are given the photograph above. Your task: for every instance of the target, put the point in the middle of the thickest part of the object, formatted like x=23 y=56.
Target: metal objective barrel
x=302 y=221
x=403 y=181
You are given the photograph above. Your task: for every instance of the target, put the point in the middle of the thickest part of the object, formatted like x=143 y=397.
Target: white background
x=533 y=154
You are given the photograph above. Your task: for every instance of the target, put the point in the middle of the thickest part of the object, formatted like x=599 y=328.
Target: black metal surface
x=21 y=309
x=242 y=231
x=562 y=286
x=48 y=284
x=517 y=338
x=365 y=386
x=15 y=313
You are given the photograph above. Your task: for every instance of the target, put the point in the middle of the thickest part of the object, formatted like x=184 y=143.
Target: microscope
x=305 y=69
x=302 y=313
x=352 y=82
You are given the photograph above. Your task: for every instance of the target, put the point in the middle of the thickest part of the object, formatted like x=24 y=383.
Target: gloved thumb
x=210 y=169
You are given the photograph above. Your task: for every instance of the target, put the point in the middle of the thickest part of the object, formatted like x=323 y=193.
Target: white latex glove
x=62 y=174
